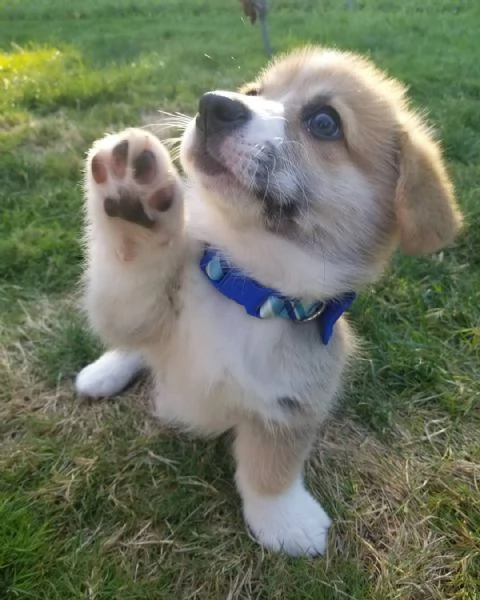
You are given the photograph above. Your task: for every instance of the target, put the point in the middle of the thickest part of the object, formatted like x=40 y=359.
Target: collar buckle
x=315 y=314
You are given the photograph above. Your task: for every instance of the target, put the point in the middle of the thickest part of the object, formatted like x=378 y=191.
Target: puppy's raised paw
x=131 y=180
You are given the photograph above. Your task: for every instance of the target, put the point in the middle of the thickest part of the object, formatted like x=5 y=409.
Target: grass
x=98 y=503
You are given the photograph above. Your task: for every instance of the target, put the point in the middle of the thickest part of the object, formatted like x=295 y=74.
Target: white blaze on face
x=267 y=123
x=241 y=149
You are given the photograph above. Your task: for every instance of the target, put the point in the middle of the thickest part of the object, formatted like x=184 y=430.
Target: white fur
x=109 y=374
x=268 y=122
x=293 y=522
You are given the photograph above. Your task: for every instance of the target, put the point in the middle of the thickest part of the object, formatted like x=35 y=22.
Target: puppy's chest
x=270 y=358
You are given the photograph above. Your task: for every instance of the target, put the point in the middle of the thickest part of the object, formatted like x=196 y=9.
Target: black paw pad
x=162 y=199
x=119 y=159
x=145 y=167
x=128 y=209
x=99 y=170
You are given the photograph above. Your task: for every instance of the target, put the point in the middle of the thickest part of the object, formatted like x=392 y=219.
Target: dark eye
x=251 y=92
x=324 y=124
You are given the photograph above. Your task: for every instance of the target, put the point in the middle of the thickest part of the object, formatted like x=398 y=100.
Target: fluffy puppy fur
x=309 y=204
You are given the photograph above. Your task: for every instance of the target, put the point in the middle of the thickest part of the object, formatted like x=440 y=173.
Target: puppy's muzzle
x=218 y=114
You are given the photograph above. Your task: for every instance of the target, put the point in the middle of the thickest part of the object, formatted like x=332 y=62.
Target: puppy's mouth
x=206 y=155
x=249 y=166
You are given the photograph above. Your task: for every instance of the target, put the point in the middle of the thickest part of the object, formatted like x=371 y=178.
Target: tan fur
x=270 y=458
x=427 y=215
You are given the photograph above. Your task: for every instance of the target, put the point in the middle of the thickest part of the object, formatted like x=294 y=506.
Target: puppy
x=300 y=185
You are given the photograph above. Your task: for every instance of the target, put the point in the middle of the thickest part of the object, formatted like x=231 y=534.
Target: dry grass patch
x=402 y=514
x=406 y=509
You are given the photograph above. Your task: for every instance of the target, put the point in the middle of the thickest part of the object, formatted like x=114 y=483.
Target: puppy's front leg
x=109 y=374
x=135 y=241
x=278 y=509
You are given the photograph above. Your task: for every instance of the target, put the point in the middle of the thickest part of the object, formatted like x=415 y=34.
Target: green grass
x=96 y=501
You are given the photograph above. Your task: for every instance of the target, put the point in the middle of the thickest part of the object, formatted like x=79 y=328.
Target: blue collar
x=264 y=303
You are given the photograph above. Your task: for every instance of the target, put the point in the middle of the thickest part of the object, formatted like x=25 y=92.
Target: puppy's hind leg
x=278 y=509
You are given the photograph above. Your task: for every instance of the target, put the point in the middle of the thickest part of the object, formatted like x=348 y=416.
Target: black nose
x=217 y=112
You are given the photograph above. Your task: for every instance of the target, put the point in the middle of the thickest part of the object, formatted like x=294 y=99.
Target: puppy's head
x=323 y=148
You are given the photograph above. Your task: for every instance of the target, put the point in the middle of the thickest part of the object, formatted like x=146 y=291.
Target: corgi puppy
x=230 y=285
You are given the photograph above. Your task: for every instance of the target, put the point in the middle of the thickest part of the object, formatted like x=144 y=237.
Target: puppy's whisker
x=174 y=119
x=159 y=127
x=174 y=114
x=284 y=142
x=265 y=194
x=254 y=160
x=173 y=123
x=172 y=141
x=291 y=163
x=147 y=126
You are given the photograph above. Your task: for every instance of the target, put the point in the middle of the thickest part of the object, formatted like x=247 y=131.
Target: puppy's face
x=322 y=148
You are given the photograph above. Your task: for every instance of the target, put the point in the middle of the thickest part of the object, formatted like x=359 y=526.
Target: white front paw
x=109 y=374
x=292 y=522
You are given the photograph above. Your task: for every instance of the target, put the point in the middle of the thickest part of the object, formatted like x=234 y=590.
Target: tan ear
x=427 y=214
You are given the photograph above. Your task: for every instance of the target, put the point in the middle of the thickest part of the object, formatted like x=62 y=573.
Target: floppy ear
x=427 y=214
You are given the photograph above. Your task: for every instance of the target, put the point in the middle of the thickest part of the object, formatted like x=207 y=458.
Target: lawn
x=98 y=502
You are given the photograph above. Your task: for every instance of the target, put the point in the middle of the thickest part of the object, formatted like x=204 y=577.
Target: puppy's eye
x=324 y=124
x=252 y=92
